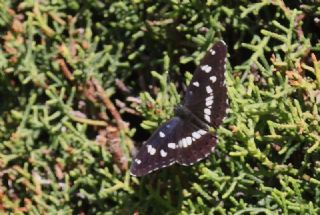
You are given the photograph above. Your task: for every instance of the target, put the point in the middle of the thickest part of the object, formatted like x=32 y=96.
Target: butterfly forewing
x=159 y=150
x=206 y=95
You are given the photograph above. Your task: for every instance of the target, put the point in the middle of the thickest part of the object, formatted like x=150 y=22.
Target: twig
x=110 y=106
x=110 y=137
x=88 y=121
x=316 y=68
x=65 y=69
x=124 y=89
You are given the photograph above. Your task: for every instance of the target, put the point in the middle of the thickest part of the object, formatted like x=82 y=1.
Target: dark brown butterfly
x=187 y=137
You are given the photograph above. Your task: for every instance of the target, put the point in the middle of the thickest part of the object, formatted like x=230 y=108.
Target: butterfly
x=190 y=135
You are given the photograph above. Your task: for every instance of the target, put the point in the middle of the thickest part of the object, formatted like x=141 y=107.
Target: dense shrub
x=82 y=83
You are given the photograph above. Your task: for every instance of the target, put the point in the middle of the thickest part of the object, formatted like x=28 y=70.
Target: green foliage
x=157 y=110
x=75 y=75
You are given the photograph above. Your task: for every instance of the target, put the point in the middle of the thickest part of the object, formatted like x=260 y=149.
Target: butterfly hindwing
x=178 y=141
x=200 y=144
x=197 y=151
x=206 y=95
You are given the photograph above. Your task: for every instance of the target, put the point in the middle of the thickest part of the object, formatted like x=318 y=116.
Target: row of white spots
x=209 y=101
x=207 y=110
x=224 y=81
x=187 y=141
x=152 y=151
x=184 y=142
x=207 y=114
x=164 y=154
x=206 y=68
x=225 y=68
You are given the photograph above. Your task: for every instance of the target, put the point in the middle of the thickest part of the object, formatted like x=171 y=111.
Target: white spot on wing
x=163 y=153
x=202 y=132
x=196 y=135
x=209 y=89
x=171 y=145
x=199 y=159
x=209 y=103
x=206 y=68
x=207 y=118
x=161 y=134
x=151 y=150
x=180 y=143
x=196 y=83
x=184 y=143
x=209 y=98
x=213 y=79
x=213 y=52
x=188 y=140
x=137 y=161
x=212 y=149
x=207 y=111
